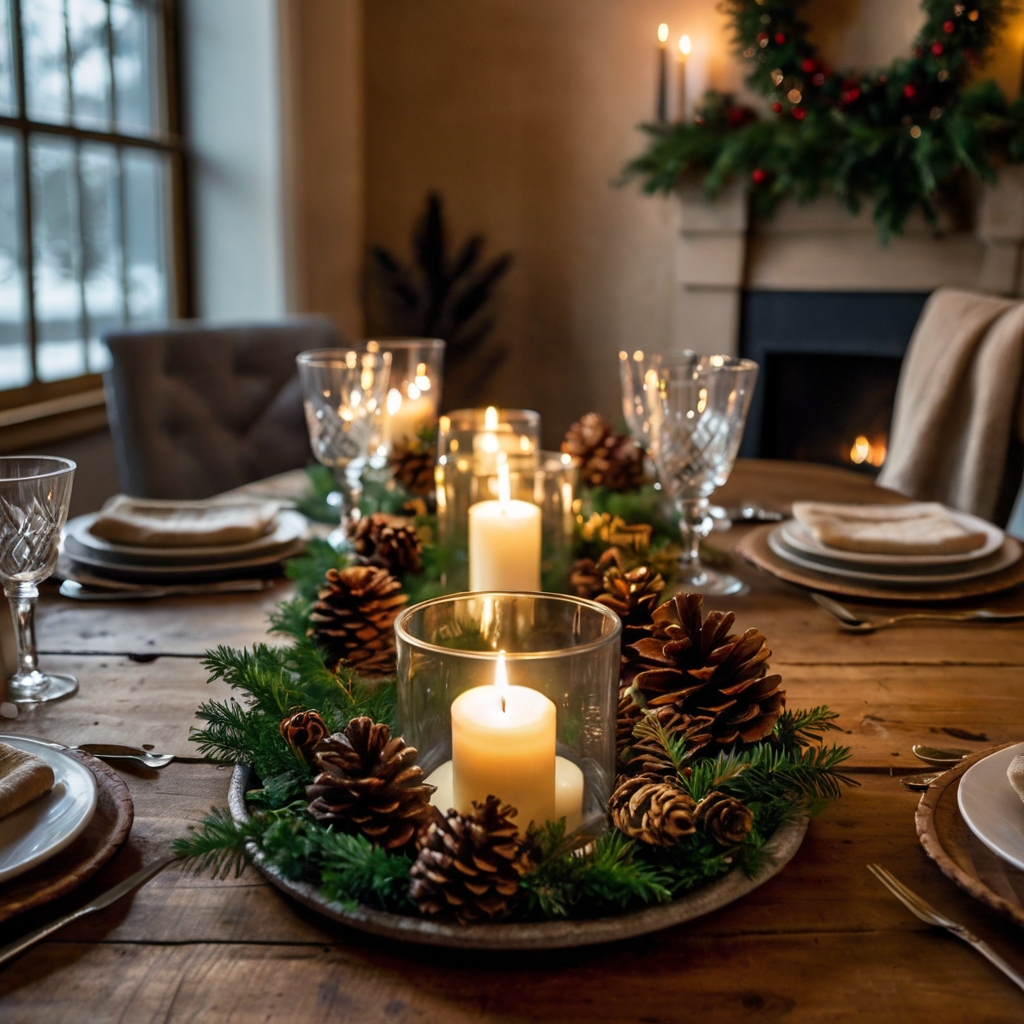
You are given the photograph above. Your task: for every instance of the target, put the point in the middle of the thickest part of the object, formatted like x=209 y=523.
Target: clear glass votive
x=553 y=754
x=555 y=482
x=414 y=390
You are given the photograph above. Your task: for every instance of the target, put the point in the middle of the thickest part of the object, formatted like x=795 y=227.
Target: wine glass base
x=40 y=687
x=707 y=581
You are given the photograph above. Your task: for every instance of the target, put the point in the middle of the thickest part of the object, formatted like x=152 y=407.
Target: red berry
x=938 y=49
x=758 y=175
x=780 y=38
x=777 y=107
x=949 y=27
x=799 y=113
x=807 y=65
x=851 y=95
x=909 y=91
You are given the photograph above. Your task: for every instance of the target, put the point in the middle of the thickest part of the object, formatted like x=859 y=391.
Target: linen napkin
x=1015 y=773
x=916 y=528
x=23 y=778
x=172 y=524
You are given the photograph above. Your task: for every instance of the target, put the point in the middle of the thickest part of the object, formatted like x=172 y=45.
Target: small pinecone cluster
x=633 y=596
x=697 y=668
x=607 y=459
x=369 y=784
x=302 y=732
x=389 y=542
x=354 y=616
x=469 y=865
x=412 y=463
x=724 y=818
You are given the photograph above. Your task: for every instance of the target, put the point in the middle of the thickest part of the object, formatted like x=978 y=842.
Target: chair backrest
x=195 y=410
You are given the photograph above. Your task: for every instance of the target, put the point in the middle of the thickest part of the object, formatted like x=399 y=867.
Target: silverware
x=110 y=896
x=752 y=512
x=919 y=783
x=858 y=624
x=117 y=752
x=79 y=592
x=938 y=756
x=927 y=913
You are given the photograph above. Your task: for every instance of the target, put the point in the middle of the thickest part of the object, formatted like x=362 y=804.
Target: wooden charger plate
x=102 y=838
x=754 y=549
x=532 y=935
x=960 y=854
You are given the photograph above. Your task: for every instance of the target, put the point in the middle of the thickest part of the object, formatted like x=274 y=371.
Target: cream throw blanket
x=958 y=402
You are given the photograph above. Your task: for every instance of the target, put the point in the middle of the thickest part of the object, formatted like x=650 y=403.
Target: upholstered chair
x=195 y=410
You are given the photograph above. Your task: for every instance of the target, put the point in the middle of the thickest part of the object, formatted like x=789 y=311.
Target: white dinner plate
x=47 y=825
x=1006 y=556
x=799 y=538
x=289 y=527
x=991 y=808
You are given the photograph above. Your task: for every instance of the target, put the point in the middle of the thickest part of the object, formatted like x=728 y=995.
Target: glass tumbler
x=414 y=390
x=34 y=495
x=697 y=413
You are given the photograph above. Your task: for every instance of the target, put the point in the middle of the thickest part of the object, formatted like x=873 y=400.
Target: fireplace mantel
x=821 y=247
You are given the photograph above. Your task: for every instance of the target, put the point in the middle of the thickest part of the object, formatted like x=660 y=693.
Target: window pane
x=60 y=351
x=46 y=69
x=8 y=99
x=101 y=247
x=136 y=67
x=90 y=63
x=15 y=360
x=145 y=174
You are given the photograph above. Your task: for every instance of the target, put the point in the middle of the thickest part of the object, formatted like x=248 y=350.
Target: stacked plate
x=794 y=543
x=96 y=560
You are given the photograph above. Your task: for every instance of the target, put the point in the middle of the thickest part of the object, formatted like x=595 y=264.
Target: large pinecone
x=303 y=731
x=469 y=865
x=606 y=459
x=388 y=542
x=699 y=669
x=412 y=462
x=652 y=809
x=354 y=616
x=633 y=596
x=369 y=784
x=724 y=818
x=644 y=752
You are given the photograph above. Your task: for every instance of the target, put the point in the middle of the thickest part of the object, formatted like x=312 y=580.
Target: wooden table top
x=821 y=941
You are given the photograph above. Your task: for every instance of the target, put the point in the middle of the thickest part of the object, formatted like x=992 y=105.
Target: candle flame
x=394 y=401
x=662 y=33
x=685 y=45
x=504 y=481
x=490 y=418
x=501 y=678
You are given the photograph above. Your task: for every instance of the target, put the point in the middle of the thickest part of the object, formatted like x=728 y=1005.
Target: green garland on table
x=906 y=137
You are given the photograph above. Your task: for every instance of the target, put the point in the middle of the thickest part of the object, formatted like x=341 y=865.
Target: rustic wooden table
x=822 y=941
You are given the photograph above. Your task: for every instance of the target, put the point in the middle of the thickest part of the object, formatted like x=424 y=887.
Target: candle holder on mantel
x=565 y=649
x=471 y=445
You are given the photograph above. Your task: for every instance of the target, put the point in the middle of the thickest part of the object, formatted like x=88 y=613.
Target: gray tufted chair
x=195 y=410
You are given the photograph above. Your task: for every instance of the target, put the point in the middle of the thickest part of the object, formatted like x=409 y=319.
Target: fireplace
x=830 y=362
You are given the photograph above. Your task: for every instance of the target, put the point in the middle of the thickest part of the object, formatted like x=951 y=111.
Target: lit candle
x=682 y=111
x=662 y=100
x=503 y=745
x=504 y=541
x=695 y=74
x=405 y=415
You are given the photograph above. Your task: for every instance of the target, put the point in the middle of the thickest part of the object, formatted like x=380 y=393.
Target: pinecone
x=629 y=714
x=469 y=865
x=412 y=463
x=727 y=820
x=586 y=577
x=633 y=596
x=699 y=669
x=654 y=810
x=646 y=753
x=388 y=542
x=607 y=459
x=354 y=617
x=369 y=784
x=302 y=732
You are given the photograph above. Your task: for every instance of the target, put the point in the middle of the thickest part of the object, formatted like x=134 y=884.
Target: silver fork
x=927 y=913
x=858 y=624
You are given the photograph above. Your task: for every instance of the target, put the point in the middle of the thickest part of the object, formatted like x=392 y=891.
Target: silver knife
x=141 y=876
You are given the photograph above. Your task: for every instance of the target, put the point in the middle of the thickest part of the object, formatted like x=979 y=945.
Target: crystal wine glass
x=697 y=407
x=342 y=393
x=34 y=496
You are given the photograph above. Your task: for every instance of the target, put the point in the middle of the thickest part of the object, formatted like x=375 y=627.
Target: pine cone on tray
x=586 y=576
x=629 y=713
x=724 y=818
x=606 y=459
x=369 y=784
x=645 y=753
x=633 y=596
x=698 y=668
x=354 y=616
x=652 y=809
x=412 y=463
x=302 y=731
x=388 y=542
x=469 y=865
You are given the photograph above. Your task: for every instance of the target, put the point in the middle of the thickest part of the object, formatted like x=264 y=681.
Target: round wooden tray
x=102 y=838
x=960 y=854
x=754 y=549
x=535 y=935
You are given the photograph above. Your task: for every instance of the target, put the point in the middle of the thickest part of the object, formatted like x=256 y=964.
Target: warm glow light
x=501 y=678
x=413 y=392
x=638 y=356
x=623 y=356
x=663 y=33
x=864 y=450
x=685 y=45
x=394 y=402
x=702 y=400
x=490 y=418
x=524 y=443
x=504 y=480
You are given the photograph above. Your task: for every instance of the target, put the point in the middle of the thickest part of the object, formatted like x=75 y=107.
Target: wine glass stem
x=350 y=486
x=692 y=516
x=23 y=608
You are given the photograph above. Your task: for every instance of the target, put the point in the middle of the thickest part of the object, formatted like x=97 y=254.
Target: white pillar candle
x=503 y=745
x=404 y=416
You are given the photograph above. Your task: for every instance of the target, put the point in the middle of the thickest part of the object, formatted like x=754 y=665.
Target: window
x=89 y=172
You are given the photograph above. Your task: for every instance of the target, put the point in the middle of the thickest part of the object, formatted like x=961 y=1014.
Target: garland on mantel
x=910 y=136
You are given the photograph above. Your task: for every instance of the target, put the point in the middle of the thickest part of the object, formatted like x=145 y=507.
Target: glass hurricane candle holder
x=555 y=482
x=515 y=696
x=414 y=390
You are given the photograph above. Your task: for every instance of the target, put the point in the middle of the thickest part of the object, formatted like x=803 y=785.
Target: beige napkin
x=1015 y=773
x=917 y=528
x=23 y=778
x=172 y=524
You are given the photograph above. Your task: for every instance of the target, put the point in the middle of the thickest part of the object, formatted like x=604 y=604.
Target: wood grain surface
x=821 y=941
